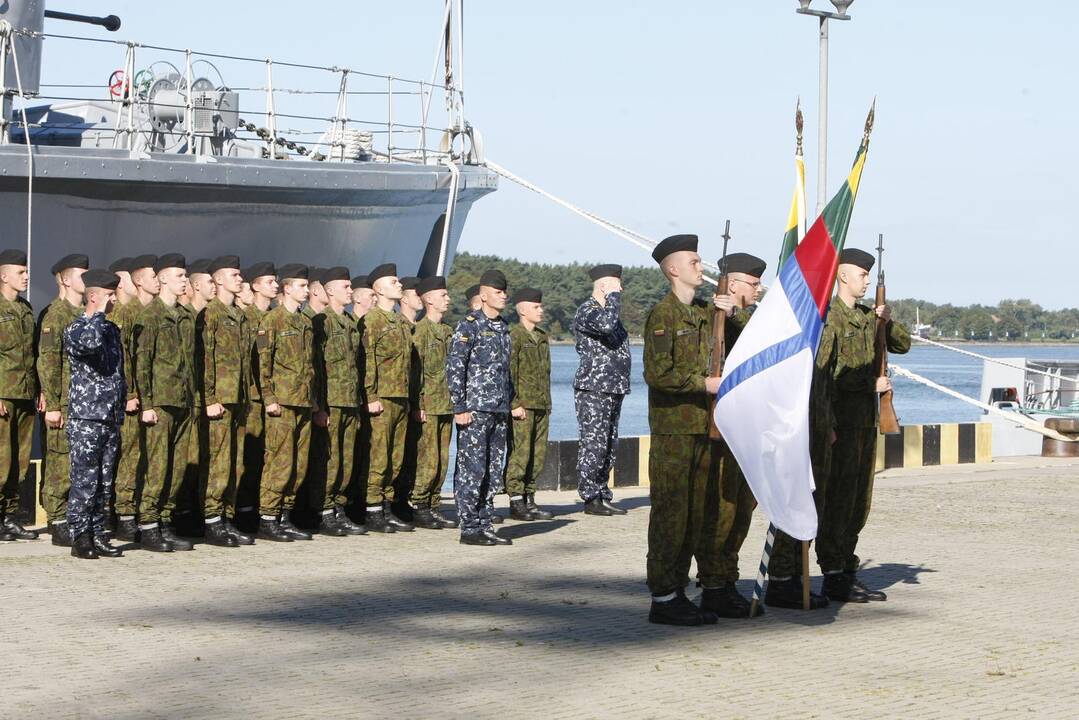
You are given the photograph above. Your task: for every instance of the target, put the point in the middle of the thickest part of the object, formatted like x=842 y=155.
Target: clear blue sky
x=673 y=116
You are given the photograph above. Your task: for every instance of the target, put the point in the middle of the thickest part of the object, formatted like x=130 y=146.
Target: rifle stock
x=719 y=352
x=889 y=421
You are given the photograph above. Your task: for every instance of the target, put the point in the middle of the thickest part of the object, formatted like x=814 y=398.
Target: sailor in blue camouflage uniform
x=602 y=382
x=96 y=399
x=478 y=375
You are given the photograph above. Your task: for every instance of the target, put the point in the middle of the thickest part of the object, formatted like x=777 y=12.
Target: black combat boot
x=398 y=524
x=595 y=506
x=423 y=518
x=726 y=602
x=856 y=584
x=346 y=523
x=442 y=519
x=519 y=510
x=217 y=533
x=496 y=519
x=177 y=542
x=615 y=510
x=270 y=529
x=5 y=536
x=241 y=537
x=788 y=594
x=12 y=527
x=291 y=530
x=61 y=535
x=538 y=513
x=377 y=522
x=328 y=525
x=127 y=530
x=83 y=547
x=837 y=587
x=151 y=539
x=477 y=539
x=679 y=611
x=105 y=549
x=496 y=538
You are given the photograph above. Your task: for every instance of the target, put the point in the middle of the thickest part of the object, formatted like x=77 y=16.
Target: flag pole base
x=805 y=575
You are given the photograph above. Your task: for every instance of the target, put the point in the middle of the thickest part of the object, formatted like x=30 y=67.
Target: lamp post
x=822 y=97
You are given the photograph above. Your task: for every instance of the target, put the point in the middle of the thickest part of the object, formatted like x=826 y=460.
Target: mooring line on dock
x=996 y=361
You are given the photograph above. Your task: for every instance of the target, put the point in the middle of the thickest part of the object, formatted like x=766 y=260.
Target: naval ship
x=209 y=153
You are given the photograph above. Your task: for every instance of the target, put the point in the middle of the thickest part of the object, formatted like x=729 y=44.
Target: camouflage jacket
x=603 y=346
x=853 y=331
x=18 y=378
x=337 y=349
x=223 y=329
x=253 y=380
x=286 y=347
x=194 y=351
x=164 y=366
x=677 y=348
x=123 y=317
x=530 y=368
x=478 y=365
x=98 y=389
x=431 y=341
x=387 y=345
x=53 y=370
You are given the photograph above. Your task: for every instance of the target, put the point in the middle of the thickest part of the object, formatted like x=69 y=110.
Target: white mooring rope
x=996 y=361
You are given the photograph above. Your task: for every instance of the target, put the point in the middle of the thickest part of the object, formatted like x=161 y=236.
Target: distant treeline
x=567 y=286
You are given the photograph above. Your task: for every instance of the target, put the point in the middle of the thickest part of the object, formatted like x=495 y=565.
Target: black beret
x=200 y=266
x=385 y=270
x=360 y=283
x=528 y=295
x=170 y=260
x=314 y=274
x=224 y=262
x=335 y=273
x=673 y=244
x=472 y=292
x=494 y=279
x=75 y=260
x=97 y=277
x=409 y=283
x=143 y=261
x=259 y=269
x=435 y=282
x=13 y=257
x=293 y=271
x=854 y=256
x=602 y=271
x=746 y=263
x=121 y=265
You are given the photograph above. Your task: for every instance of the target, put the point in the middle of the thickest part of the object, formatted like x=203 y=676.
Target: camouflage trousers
x=684 y=520
x=597 y=425
x=16 y=435
x=284 y=463
x=189 y=498
x=361 y=459
x=247 y=492
x=786 y=560
x=736 y=505
x=224 y=462
x=850 y=494
x=405 y=481
x=94 y=447
x=165 y=447
x=432 y=460
x=527 y=451
x=56 y=473
x=477 y=475
x=387 y=454
x=128 y=467
x=330 y=484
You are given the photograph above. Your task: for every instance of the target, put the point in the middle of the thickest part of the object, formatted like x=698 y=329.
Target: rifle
x=889 y=422
x=719 y=333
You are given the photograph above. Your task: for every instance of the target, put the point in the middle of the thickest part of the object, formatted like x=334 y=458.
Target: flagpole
x=805 y=574
x=762 y=571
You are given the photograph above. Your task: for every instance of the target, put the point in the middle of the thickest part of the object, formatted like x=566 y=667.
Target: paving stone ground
x=982 y=621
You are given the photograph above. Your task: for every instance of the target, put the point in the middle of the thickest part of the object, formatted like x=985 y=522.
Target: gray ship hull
x=107 y=203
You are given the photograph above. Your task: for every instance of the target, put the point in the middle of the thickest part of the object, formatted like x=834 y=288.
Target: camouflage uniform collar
x=855 y=315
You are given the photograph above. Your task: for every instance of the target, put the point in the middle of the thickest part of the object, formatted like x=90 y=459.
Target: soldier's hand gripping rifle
x=719 y=333
x=889 y=422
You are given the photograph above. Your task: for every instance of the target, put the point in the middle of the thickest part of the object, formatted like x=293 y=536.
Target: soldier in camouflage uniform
x=530 y=371
x=850 y=482
x=129 y=468
x=601 y=383
x=290 y=390
x=387 y=344
x=409 y=308
x=18 y=389
x=431 y=404
x=478 y=376
x=310 y=500
x=363 y=299
x=54 y=373
x=337 y=348
x=223 y=329
x=262 y=277
x=188 y=505
x=684 y=520
x=97 y=396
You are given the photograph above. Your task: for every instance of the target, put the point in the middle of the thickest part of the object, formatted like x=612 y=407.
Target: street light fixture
x=822 y=100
